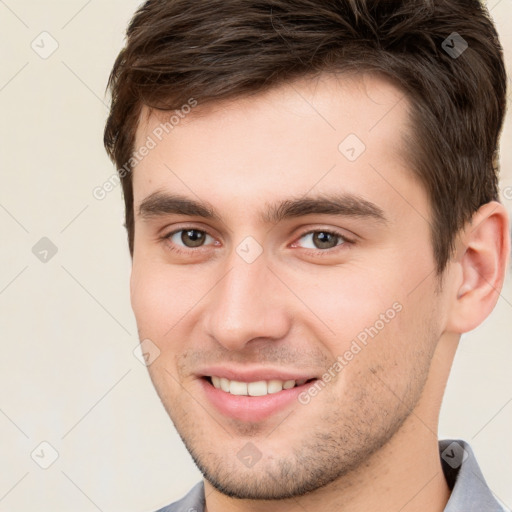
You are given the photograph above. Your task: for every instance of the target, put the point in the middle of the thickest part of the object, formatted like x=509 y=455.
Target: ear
x=481 y=262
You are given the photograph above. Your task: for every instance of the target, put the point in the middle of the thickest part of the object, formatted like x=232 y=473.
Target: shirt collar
x=470 y=492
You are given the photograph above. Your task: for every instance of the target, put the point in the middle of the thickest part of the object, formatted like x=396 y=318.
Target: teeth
x=259 y=388
x=288 y=384
x=224 y=384
x=238 y=388
x=274 y=386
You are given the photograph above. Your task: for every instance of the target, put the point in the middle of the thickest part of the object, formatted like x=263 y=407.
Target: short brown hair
x=219 y=49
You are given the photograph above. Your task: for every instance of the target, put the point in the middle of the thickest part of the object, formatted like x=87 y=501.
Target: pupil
x=194 y=236
x=323 y=240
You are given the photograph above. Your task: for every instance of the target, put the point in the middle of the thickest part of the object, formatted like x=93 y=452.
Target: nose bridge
x=244 y=304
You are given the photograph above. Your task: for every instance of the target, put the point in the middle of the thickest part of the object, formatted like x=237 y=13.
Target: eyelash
x=314 y=252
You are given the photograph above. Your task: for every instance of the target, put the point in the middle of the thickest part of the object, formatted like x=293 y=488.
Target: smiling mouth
x=257 y=388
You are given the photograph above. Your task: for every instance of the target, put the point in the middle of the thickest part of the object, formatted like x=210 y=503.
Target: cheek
x=346 y=302
x=373 y=319
x=399 y=344
x=159 y=298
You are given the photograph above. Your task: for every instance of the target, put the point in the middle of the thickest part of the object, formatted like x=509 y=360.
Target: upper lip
x=253 y=374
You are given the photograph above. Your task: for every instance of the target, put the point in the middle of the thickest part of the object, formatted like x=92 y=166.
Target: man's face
x=260 y=296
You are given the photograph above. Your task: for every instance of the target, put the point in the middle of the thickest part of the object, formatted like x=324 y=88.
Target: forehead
x=363 y=101
x=344 y=131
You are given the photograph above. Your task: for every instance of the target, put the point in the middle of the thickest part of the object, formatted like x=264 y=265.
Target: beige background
x=68 y=374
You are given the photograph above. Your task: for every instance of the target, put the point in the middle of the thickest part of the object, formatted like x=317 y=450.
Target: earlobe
x=482 y=260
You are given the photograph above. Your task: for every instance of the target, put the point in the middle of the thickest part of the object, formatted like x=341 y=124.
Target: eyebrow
x=160 y=204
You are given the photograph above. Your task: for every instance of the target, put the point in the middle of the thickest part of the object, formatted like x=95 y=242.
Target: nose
x=247 y=304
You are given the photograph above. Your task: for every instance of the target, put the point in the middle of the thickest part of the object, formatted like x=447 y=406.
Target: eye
x=323 y=239
x=189 y=238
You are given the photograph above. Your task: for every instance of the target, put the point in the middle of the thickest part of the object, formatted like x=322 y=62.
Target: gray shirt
x=469 y=492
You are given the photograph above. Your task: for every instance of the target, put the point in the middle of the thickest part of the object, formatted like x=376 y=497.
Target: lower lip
x=252 y=408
